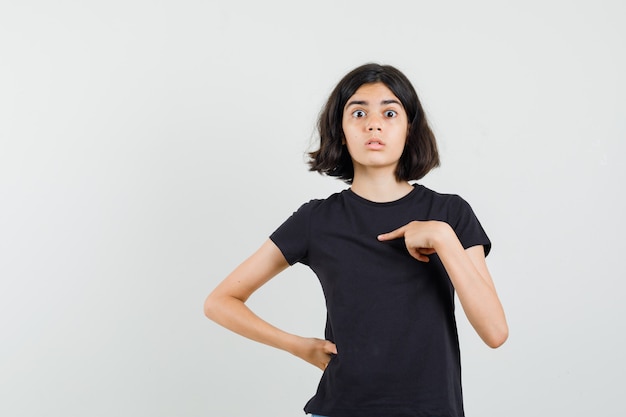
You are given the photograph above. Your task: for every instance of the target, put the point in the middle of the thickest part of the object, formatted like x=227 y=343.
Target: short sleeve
x=467 y=226
x=292 y=237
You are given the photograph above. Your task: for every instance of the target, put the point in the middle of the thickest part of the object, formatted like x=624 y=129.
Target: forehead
x=373 y=93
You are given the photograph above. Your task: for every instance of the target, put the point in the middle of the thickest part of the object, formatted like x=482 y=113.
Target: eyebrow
x=364 y=103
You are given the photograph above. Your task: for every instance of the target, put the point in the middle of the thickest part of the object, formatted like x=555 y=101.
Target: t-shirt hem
x=378 y=412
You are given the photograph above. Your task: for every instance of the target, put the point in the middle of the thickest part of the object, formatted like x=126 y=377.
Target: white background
x=148 y=147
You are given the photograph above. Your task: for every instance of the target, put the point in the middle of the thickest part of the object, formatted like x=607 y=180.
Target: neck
x=380 y=189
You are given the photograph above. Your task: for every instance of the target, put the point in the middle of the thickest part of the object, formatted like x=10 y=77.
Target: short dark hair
x=420 y=153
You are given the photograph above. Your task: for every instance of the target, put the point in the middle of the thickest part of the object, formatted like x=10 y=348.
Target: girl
x=389 y=255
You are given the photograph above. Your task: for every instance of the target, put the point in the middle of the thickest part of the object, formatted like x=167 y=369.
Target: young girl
x=389 y=255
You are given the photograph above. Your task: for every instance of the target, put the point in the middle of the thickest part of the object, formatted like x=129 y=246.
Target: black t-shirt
x=390 y=315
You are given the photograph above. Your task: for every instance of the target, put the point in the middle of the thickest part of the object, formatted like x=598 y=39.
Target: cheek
x=348 y=132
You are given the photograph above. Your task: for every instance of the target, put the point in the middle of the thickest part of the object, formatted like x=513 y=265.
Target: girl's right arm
x=226 y=306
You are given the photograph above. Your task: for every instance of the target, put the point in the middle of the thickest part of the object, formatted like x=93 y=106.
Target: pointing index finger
x=394 y=234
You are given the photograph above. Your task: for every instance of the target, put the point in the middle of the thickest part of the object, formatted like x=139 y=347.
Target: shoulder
x=451 y=208
x=316 y=208
x=322 y=203
x=457 y=212
x=441 y=200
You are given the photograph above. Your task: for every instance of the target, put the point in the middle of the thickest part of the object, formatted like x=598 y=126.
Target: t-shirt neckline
x=400 y=200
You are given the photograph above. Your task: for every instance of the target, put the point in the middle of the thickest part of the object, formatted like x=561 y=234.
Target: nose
x=374 y=123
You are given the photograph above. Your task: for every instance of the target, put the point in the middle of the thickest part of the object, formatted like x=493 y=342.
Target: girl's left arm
x=467 y=270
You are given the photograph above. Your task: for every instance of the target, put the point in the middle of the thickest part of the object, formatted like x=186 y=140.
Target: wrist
x=293 y=344
x=444 y=236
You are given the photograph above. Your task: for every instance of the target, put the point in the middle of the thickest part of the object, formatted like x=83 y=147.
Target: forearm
x=234 y=315
x=476 y=291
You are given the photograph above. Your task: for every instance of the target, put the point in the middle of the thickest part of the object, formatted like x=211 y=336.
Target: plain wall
x=146 y=148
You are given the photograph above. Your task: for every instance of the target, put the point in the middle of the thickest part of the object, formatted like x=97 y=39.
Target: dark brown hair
x=420 y=153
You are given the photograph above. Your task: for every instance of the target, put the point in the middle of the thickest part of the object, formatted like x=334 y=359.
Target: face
x=375 y=127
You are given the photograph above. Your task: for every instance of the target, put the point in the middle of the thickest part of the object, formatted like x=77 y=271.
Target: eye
x=391 y=113
x=358 y=113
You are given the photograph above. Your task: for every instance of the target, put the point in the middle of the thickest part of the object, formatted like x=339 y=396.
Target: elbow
x=210 y=307
x=497 y=337
x=217 y=306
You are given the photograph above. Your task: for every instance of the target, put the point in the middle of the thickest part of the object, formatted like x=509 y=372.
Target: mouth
x=374 y=144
